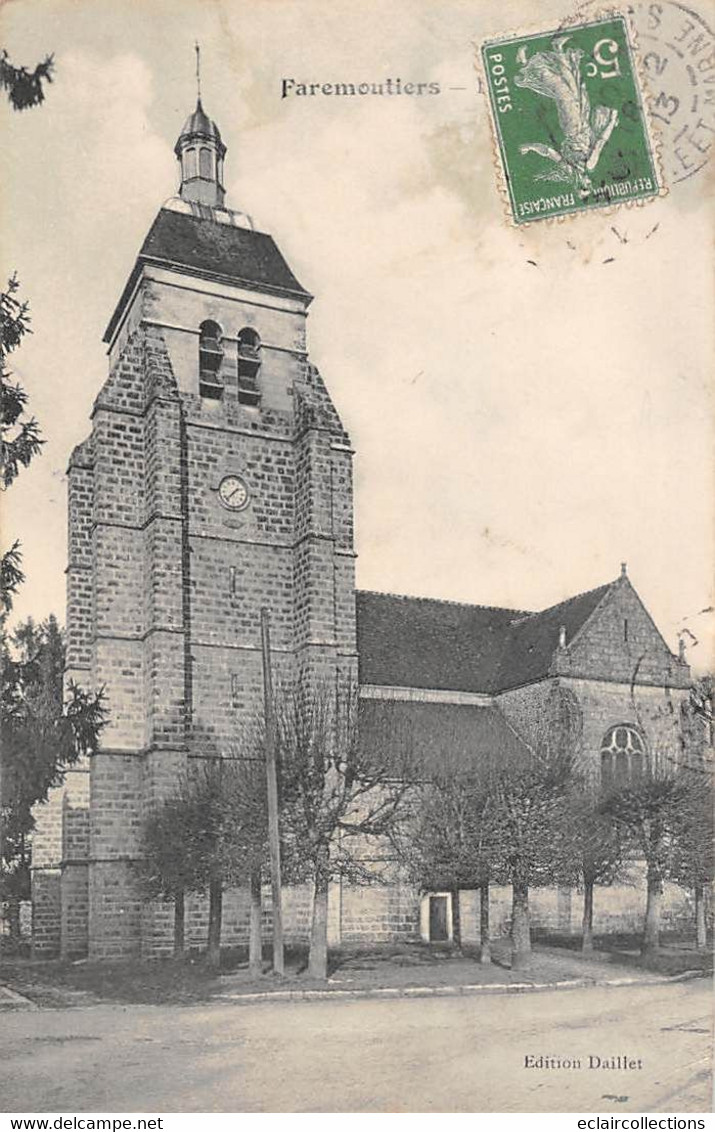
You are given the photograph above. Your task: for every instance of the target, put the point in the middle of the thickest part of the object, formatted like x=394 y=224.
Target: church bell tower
x=216 y=481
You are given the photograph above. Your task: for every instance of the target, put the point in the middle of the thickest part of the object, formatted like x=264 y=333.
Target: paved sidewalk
x=370 y=976
x=381 y=973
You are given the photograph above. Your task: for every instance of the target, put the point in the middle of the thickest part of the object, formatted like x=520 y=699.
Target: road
x=405 y=1055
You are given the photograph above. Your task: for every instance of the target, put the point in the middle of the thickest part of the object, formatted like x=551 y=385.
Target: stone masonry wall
x=621 y=643
x=165 y=585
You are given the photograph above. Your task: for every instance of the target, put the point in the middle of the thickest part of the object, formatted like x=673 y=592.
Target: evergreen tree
x=43 y=732
x=25 y=88
x=20 y=438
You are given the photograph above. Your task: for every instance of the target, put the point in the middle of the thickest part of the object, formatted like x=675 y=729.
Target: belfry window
x=210 y=360
x=190 y=165
x=622 y=757
x=249 y=364
x=205 y=163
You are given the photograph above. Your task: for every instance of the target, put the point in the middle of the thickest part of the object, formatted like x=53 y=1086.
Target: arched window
x=190 y=165
x=622 y=756
x=249 y=364
x=205 y=163
x=210 y=359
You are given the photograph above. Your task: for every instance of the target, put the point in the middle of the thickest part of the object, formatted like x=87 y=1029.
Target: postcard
x=358 y=544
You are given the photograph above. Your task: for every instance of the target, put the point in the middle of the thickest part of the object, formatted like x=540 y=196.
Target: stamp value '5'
x=569 y=120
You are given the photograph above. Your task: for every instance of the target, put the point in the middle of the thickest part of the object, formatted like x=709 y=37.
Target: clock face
x=233 y=493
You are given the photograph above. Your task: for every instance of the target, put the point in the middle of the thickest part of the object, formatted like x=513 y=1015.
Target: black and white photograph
x=358 y=545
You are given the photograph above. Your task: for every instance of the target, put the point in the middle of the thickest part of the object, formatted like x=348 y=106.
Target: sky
x=529 y=407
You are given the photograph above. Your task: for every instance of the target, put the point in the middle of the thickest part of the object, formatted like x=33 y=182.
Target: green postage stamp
x=570 y=120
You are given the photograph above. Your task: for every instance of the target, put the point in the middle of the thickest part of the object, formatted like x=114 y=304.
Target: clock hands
x=233 y=493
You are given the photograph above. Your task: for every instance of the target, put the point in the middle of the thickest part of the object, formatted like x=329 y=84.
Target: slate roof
x=424 y=643
x=209 y=248
x=199 y=125
x=429 y=733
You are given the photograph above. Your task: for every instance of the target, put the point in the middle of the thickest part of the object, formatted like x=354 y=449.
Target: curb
x=11 y=1000
x=467 y=990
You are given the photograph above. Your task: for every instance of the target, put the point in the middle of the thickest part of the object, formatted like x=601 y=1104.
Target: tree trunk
x=651 y=931
x=485 y=948
x=587 y=933
x=520 y=930
x=456 y=921
x=701 y=937
x=318 y=955
x=213 y=954
x=255 y=942
x=13 y=918
x=179 y=924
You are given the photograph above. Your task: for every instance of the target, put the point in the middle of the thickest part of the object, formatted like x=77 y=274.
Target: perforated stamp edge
x=652 y=138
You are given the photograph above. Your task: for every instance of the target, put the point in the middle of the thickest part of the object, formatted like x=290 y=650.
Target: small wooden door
x=438 y=931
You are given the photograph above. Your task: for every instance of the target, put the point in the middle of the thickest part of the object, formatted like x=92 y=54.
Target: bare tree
x=339 y=794
x=651 y=809
x=209 y=835
x=530 y=800
x=600 y=846
x=452 y=839
x=692 y=861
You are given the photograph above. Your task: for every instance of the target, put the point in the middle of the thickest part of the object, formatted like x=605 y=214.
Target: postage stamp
x=569 y=120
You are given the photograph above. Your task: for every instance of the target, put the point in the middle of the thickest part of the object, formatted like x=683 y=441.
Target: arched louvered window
x=206 y=163
x=622 y=757
x=191 y=168
x=249 y=365
x=210 y=359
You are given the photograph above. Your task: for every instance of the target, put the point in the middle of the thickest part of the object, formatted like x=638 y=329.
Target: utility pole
x=272 y=783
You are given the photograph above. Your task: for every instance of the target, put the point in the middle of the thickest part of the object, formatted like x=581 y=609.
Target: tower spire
x=200 y=152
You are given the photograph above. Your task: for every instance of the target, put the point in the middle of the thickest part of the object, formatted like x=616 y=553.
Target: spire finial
x=198 y=70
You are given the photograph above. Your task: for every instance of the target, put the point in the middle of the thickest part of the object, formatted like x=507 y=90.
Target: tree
x=25 y=88
x=209 y=835
x=167 y=868
x=600 y=847
x=647 y=812
x=338 y=795
x=691 y=862
x=651 y=809
x=43 y=733
x=530 y=807
x=20 y=438
x=452 y=842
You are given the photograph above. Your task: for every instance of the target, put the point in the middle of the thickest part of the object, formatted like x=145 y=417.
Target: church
x=216 y=480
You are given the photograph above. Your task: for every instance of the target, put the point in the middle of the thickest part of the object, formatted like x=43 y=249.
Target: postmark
x=677 y=50
x=569 y=120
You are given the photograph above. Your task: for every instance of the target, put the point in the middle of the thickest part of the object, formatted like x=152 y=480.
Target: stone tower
x=217 y=479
